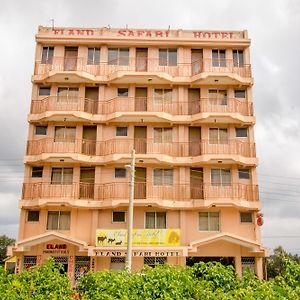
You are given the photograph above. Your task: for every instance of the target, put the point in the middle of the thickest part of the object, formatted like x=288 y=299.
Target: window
x=121 y=131
x=162 y=96
x=248 y=263
x=217 y=97
x=93 y=56
x=168 y=57
x=29 y=262
x=41 y=130
x=33 y=215
x=67 y=94
x=65 y=134
x=220 y=177
x=218 y=58
x=241 y=132
x=58 y=220
x=62 y=176
x=122 y=92
x=118 y=56
x=218 y=136
x=209 y=221
x=118 y=216
x=37 y=172
x=120 y=173
x=163 y=176
x=44 y=91
x=153 y=261
x=238 y=58
x=246 y=217
x=47 y=55
x=155 y=220
x=163 y=135
x=244 y=174
x=117 y=263
x=240 y=94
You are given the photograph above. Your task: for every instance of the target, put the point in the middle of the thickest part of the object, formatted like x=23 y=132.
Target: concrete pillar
x=238 y=264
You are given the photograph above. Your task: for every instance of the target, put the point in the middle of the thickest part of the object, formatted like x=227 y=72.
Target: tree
x=275 y=263
x=5 y=241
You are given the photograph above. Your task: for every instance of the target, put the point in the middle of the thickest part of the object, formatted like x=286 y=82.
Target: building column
x=259 y=267
x=238 y=265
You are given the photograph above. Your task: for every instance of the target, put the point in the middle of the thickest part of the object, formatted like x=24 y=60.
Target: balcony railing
x=141 y=104
x=142 y=146
x=62 y=64
x=143 y=190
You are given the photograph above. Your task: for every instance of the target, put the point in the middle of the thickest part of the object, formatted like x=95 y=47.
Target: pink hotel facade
x=183 y=100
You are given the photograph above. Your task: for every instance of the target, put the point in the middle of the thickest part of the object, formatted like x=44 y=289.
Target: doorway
x=141 y=60
x=194 y=141
x=140 y=103
x=70 y=60
x=197 y=58
x=87 y=182
x=140 y=139
x=140 y=183
x=91 y=100
x=196 y=183
x=193 y=101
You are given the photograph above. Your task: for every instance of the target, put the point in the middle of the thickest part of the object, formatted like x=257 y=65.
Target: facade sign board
x=140 y=237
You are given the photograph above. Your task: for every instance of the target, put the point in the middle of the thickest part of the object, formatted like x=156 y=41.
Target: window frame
x=95 y=56
x=219 y=140
x=121 y=128
x=42 y=87
x=125 y=91
x=66 y=138
x=163 y=98
x=47 y=55
x=163 y=177
x=60 y=213
x=162 y=135
x=239 y=91
x=222 y=182
x=40 y=127
x=37 y=171
x=218 y=61
x=245 y=221
x=244 y=171
x=167 y=59
x=123 y=170
x=119 y=60
x=62 y=176
x=118 y=211
x=238 y=57
x=31 y=211
x=241 y=128
x=155 y=219
x=209 y=225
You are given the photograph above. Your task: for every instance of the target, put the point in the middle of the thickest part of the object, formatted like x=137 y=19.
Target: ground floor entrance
x=226 y=261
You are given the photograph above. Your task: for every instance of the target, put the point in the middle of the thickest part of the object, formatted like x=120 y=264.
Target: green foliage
x=5 y=241
x=45 y=282
x=201 y=282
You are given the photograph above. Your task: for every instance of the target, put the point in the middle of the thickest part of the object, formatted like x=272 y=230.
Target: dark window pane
x=120 y=173
x=163 y=57
x=246 y=217
x=122 y=92
x=44 y=91
x=112 y=56
x=37 y=172
x=172 y=57
x=121 y=131
x=244 y=174
x=118 y=216
x=33 y=216
x=240 y=94
x=47 y=55
x=241 y=132
x=41 y=130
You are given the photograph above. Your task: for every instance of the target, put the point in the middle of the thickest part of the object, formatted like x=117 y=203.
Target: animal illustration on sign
x=101 y=239
x=119 y=243
x=111 y=240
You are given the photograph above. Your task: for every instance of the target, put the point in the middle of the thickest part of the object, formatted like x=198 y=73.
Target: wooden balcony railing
x=142 y=146
x=143 y=190
x=63 y=64
x=141 y=104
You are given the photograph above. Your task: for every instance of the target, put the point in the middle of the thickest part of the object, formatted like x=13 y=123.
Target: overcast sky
x=274 y=30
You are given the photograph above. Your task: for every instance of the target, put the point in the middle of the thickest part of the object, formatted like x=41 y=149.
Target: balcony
x=145 y=193
x=131 y=66
x=140 y=104
x=142 y=146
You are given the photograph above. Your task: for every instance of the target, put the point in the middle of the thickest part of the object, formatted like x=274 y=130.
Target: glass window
x=163 y=176
x=58 y=220
x=162 y=96
x=163 y=135
x=244 y=174
x=67 y=94
x=220 y=177
x=154 y=261
x=238 y=58
x=37 y=172
x=241 y=132
x=62 y=176
x=121 y=131
x=47 y=55
x=217 y=97
x=155 y=220
x=218 y=58
x=65 y=134
x=33 y=215
x=246 y=217
x=93 y=56
x=118 y=56
x=168 y=57
x=41 y=130
x=209 y=221
x=44 y=91
x=122 y=92
x=120 y=173
x=240 y=94
x=118 y=216
x=218 y=136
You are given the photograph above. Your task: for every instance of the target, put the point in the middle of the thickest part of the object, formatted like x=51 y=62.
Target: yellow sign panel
x=140 y=237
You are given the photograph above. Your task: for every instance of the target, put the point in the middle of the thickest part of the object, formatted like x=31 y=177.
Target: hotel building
x=183 y=100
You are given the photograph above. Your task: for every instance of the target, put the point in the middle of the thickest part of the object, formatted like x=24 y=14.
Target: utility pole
x=130 y=213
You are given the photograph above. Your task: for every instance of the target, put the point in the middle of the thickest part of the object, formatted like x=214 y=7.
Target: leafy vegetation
x=202 y=281
x=5 y=241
